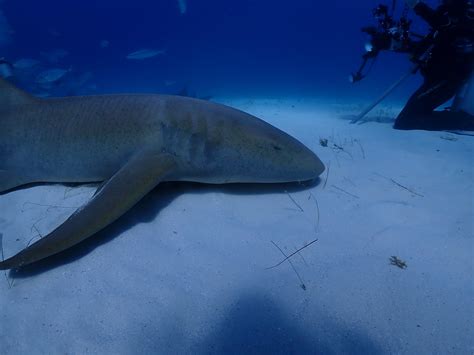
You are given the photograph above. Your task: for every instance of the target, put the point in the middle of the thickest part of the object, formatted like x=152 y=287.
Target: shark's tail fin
x=10 y=95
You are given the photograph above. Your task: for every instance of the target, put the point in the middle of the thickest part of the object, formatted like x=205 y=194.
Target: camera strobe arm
x=358 y=75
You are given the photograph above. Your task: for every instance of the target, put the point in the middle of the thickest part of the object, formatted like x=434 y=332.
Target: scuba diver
x=447 y=66
x=445 y=58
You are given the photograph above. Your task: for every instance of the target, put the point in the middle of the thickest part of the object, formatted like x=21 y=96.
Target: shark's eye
x=276 y=147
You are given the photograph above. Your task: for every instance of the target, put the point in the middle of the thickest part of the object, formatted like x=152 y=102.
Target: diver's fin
x=10 y=180
x=123 y=190
x=10 y=95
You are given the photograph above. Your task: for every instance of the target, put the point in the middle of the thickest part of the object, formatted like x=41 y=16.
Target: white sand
x=184 y=271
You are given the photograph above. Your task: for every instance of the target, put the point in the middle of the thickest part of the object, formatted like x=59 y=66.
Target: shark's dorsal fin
x=10 y=95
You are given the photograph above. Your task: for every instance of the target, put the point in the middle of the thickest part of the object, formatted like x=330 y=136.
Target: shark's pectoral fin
x=123 y=190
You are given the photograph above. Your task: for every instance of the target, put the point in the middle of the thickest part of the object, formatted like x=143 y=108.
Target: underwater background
x=213 y=48
x=383 y=241
x=197 y=269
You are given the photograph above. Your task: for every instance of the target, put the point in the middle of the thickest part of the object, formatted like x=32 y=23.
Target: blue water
x=224 y=48
x=195 y=281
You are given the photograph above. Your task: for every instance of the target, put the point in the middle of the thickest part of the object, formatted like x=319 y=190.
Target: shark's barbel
x=132 y=143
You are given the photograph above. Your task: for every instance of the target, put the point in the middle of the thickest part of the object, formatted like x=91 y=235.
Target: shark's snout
x=311 y=165
x=305 y=164
x=283 y=158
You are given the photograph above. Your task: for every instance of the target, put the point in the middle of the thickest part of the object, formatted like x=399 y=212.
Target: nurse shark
x=131 y=143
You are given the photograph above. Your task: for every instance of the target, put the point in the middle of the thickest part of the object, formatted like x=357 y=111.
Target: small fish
x=104 y=43
x=145 y=53
x=51 y=75
x=25 y=63
x=183 y=6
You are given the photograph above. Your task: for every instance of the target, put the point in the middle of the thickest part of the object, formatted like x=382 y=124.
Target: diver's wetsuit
x=448 y=68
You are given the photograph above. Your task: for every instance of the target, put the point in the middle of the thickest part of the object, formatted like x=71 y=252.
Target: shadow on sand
x=146 y=211
x=256 y=324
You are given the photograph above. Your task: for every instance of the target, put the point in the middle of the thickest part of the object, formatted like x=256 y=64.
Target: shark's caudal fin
x=10 y=95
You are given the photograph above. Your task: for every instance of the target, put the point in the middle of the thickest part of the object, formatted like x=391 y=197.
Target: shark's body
x=132 y=143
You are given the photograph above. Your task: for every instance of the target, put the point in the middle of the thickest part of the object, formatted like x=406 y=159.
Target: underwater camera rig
x=389 y=34
x=396 y=36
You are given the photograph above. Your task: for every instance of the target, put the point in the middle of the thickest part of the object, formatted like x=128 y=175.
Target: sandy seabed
x=186 y=270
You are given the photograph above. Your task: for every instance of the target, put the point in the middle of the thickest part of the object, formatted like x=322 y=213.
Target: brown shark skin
x=133 y=142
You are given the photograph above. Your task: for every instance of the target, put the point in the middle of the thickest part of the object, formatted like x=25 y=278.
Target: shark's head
x=238 y=147
x=267 y=154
